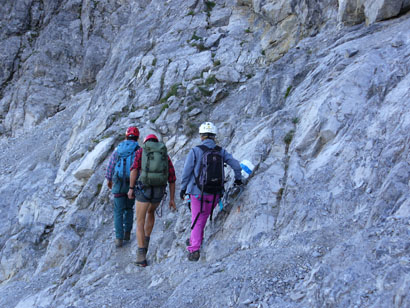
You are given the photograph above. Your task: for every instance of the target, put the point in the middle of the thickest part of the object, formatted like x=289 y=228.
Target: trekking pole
x=225 y=199
x=231 y=196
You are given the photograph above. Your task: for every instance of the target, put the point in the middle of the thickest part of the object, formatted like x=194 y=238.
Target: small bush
x=172 y=92
x=279 y=195
x=210 y=5
x=154 y=62
x=164 y=106
x=150 y=74
x=195 y=37
x=295 y=120
x=200 y=46
x=288 y=137
x=248 y=30
x=210 y=80
x=217 y=62
x=191 y=13
x=288 y=91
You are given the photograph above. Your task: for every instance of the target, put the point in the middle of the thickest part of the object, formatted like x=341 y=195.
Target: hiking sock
x=142 y=257
x=146 y=242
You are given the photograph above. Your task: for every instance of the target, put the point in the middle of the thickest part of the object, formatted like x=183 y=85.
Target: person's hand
x=172 y=205
x=182 y=194
x=237 y=182
x=109 y=184
x=131 y=193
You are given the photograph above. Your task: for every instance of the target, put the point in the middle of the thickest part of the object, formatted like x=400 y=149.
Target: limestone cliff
x=314 y=93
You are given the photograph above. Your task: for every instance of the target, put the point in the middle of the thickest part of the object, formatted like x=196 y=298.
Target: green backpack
x=154 y=164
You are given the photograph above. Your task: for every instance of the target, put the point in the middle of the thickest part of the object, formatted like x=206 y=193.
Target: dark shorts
x=150 y=194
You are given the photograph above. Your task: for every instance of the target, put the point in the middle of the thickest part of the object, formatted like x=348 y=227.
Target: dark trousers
x=123 y=215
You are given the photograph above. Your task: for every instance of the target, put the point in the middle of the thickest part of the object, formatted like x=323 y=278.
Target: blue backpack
x=126 y=155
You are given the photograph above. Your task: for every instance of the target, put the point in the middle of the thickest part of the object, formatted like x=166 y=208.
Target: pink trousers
x=197 y=233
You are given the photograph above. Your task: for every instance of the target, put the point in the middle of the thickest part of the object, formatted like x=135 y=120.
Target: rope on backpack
x=158 y=210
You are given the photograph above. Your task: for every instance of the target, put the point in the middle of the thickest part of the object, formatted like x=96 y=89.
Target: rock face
x=319 y=107
x=356 y=11
x=289 y=21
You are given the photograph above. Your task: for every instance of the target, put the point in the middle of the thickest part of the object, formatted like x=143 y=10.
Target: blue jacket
x=193 y=163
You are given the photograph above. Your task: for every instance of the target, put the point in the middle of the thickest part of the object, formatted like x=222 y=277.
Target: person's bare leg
x=141 y=212
x=150 y=219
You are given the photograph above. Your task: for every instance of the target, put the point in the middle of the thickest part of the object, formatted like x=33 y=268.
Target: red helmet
x=132 y=130
x=151 y=137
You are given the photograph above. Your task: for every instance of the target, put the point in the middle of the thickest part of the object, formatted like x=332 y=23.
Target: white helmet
x=207 y=128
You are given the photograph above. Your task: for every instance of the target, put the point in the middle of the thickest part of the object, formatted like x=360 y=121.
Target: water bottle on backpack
x=247 y=168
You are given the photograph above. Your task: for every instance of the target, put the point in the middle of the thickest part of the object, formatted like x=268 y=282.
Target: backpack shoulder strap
x=204 y=148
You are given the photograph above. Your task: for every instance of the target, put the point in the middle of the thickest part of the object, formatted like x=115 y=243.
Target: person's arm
x=172 y=205
x=188 y=171
x=133 y=179
x=234 y=164
x=171 y=180
x=110 y=169
x=136 y=165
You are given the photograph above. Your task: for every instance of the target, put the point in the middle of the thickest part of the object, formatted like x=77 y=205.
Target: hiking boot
x=193 y=256
x=188 y=242
x=146 y=242
x=127 y=236
x=141 y=257
x=118 y=242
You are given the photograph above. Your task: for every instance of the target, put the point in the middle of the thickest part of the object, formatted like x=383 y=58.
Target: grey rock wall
x=53 y=49
x=320 y=108
x=357 y=11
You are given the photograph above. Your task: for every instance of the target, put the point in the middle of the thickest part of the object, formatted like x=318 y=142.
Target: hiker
x=150 y=172
x=118 y=179
x=205 y=195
